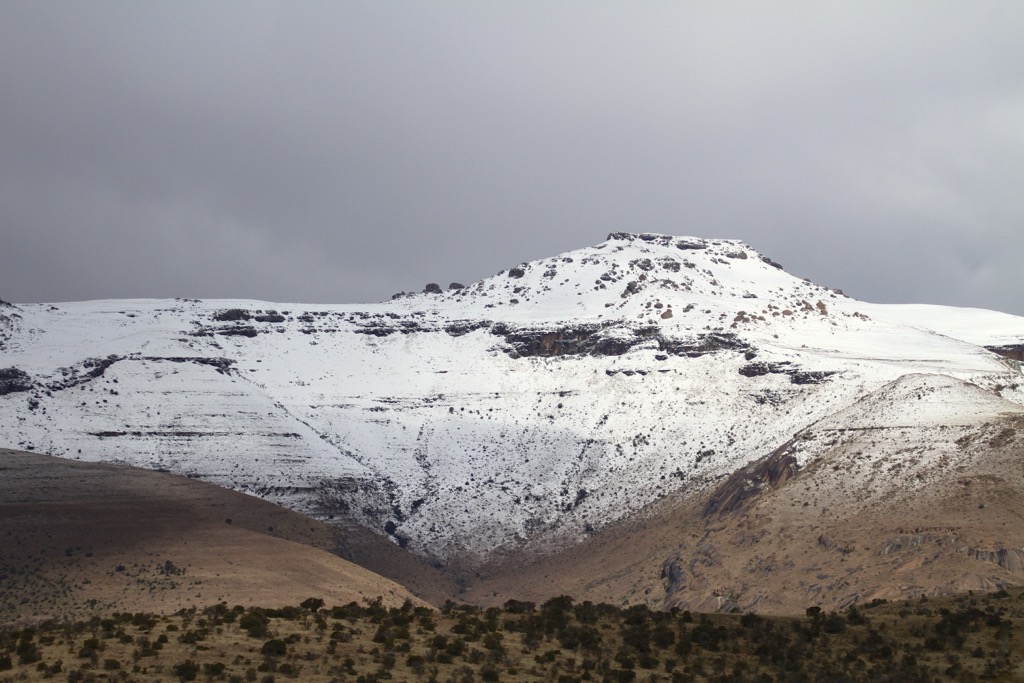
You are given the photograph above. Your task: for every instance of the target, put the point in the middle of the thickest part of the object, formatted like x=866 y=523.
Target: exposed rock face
x=232 y=315
x=1010 y=559
x=610 y=340
x=14 y=380
x=1011 y=351
x=767 y=473
x=575 y=341
x=432 y=288
x=239 y=331
x=796 y=375
x=89 y=369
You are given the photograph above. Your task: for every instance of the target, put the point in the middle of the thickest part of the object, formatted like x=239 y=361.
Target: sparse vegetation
x=967 y=638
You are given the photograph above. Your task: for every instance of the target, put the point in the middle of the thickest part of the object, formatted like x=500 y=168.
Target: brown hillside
x=83 y=538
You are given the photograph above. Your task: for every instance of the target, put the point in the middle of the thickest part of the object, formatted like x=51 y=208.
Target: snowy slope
x=524 y=410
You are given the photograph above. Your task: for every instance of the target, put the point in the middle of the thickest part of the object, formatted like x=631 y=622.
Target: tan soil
x=84 y=538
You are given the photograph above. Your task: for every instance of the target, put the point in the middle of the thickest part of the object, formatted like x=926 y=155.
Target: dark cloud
x=344 y=151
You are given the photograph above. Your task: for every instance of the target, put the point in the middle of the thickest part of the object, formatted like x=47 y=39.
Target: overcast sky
x=344 y=151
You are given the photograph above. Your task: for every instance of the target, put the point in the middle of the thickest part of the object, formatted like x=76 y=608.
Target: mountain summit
x=519 y=414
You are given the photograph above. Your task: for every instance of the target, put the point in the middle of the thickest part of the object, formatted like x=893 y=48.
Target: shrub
x=254 y=623
x=312 y=604
x=186 y=671
x=27 y=653
x=214 y=669
x=274 y=648
x=518 y=607
x=834 y=623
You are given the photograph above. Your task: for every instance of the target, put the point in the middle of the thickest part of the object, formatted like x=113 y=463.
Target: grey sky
x=344 y=151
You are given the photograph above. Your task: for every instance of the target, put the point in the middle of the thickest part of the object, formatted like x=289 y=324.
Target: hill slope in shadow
x=85 y=538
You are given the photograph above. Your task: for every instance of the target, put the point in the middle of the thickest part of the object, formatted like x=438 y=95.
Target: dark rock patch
x=592 y=340
x=796 y=375
x=526 y=342
x=240 y=331
x=376 y=331
x=461 y=327
x=222 y=365
x=755 y=369
x=769 y=472
x=13 y=380
x=1011 y=351
x=810 y=377
x=89 y=369
x=232 y=315
x=703 y=344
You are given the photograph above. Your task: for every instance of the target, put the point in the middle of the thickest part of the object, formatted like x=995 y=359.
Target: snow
x=973 y=325
x=427 y=411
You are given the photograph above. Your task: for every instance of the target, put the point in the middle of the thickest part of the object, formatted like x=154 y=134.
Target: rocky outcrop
x=796 y=375
x=767 y=473
x=1011 y=351
x=1010 y=559
x=87 y=370
x=13 y=380
x=93 y=368
x=461 y=327
x=608 y=340
x=240 y=331
x=703 y=344
x=573 y=341
x=232 y=315
x=222 y=365
x=663 y=240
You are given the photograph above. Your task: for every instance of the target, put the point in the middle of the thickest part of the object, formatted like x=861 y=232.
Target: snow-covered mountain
x=522 y=412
